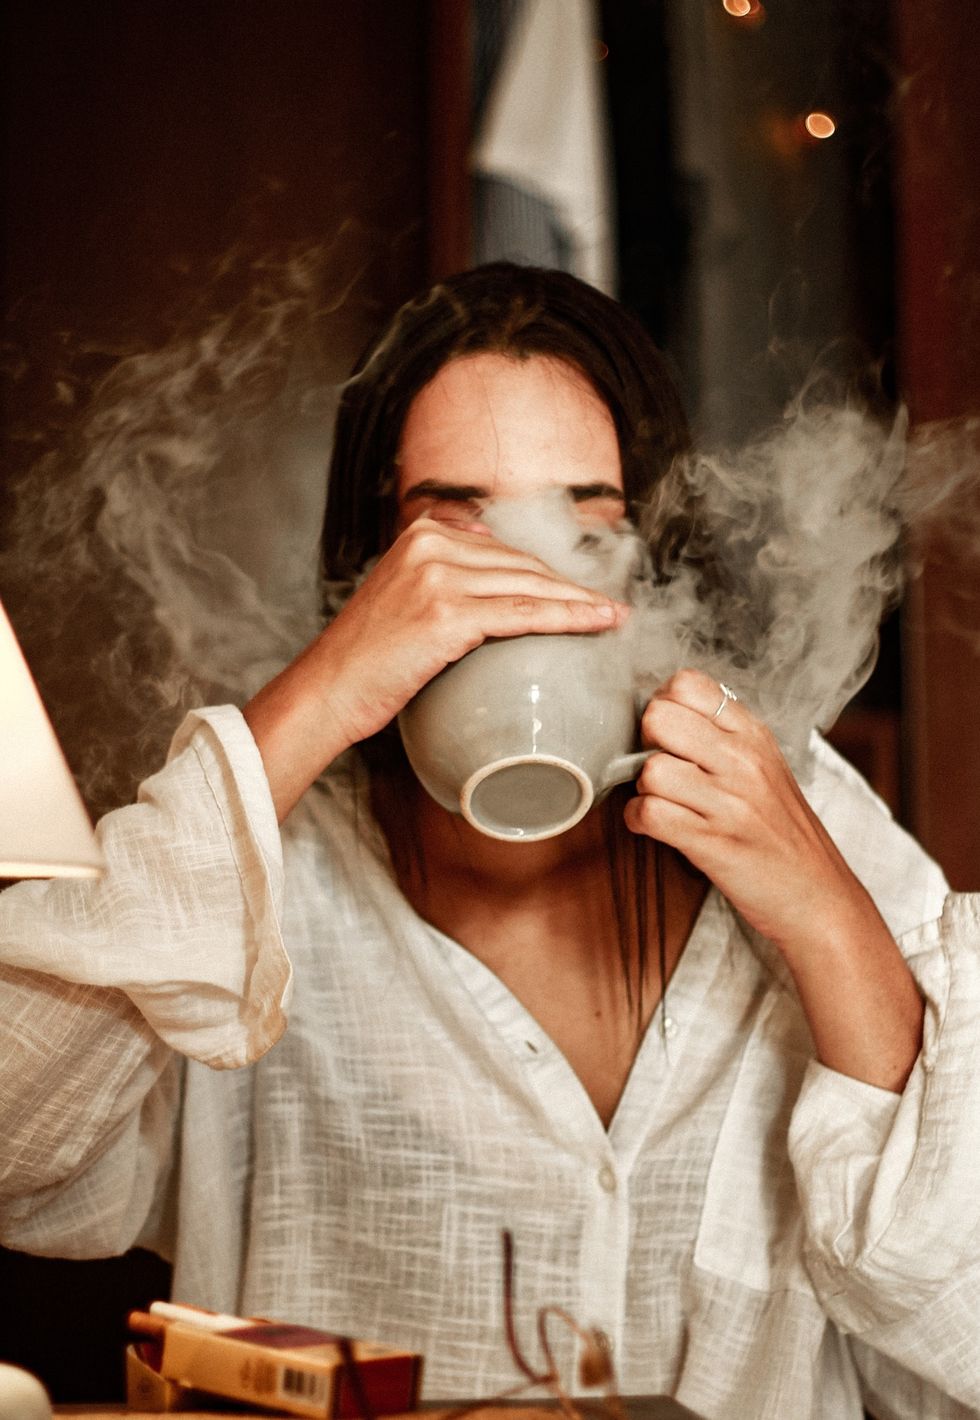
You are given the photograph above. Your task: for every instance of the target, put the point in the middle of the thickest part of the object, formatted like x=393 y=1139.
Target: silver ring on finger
x=726 y=694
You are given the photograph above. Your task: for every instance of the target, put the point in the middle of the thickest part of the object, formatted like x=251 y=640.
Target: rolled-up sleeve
x=890 y=1184
x=178 y=948
x=186 y=921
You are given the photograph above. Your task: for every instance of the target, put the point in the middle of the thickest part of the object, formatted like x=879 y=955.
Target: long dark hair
x=520 y=311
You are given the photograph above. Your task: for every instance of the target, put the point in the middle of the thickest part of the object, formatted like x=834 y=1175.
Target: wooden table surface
x=655 y=1407
x=113 y=1412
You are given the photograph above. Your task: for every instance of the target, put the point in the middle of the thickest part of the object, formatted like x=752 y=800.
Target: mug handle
x=623 y=767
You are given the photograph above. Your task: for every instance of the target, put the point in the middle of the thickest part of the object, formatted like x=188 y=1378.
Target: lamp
x=44 y=828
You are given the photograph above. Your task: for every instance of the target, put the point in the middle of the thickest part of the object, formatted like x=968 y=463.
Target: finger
x=669 y=823
x=548 y=587
x=465 y=525
x=701 y=692
x=494 y=582
x=524 y=616
x=429 y=540
x=688 y=734
x=742 y=763
x=677 y=781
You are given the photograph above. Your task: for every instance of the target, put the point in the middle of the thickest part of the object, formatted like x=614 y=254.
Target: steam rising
x=163 y=553
x=806 y=525
x=807 y=549
x=143 y=520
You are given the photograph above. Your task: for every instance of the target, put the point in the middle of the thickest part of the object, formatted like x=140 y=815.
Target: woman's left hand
x=721 y=793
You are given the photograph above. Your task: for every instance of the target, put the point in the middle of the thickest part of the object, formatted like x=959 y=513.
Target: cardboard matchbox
x=295 y=1369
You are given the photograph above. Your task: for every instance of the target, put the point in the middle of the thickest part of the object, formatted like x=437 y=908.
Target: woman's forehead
x=488 y=419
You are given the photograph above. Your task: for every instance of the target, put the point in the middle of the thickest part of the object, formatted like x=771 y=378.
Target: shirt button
x=607 y=1179
x=670 y=1027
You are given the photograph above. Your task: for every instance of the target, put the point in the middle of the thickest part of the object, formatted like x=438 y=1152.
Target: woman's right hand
x=439 y=591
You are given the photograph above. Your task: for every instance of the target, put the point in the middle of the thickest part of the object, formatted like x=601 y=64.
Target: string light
x=790 y=135
x=750 y=10
x=819 y=125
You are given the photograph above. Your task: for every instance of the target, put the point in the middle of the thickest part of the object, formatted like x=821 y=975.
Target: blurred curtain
x=541 y=157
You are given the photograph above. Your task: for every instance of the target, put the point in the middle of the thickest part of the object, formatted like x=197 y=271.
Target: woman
x=767 y=1204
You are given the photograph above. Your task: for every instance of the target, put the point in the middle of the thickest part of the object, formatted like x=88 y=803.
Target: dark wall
x=143 y=137
x=155 y=150
x=155 y=154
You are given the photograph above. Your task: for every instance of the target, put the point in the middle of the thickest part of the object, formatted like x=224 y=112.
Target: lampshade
x=44 y=828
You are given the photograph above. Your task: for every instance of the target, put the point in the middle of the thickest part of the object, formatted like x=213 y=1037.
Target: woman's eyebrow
x=582 y=492
x=467 y=492
x=455 y=492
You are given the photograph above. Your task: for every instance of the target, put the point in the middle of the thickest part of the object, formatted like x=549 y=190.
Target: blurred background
x=211 y=205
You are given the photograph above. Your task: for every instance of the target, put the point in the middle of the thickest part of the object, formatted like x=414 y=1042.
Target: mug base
x=523 y=799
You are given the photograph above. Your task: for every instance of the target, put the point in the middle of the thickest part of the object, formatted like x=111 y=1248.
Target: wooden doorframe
x=938 y=308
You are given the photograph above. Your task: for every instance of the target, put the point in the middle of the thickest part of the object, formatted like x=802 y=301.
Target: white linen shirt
x=757 y=1235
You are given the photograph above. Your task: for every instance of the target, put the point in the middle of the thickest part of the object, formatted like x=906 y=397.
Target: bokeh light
x=820 y=125
x=750 y=10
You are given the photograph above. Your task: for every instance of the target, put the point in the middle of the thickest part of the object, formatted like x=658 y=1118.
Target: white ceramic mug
x=523 y=735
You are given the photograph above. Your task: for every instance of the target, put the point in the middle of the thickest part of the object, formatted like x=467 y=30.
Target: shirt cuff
x=890 y=1184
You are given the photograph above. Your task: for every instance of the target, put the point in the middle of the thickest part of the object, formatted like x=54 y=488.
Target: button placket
x=602 y=1296
x=607 y=1178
